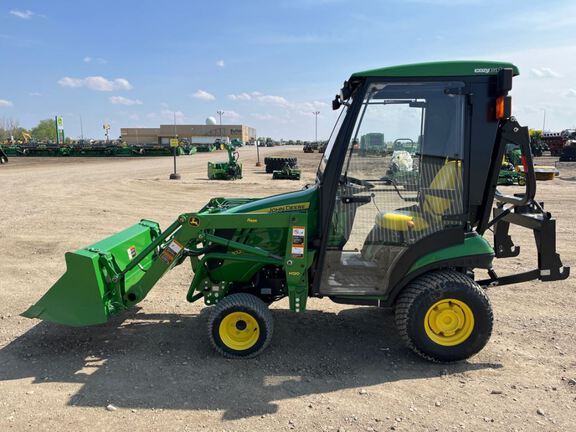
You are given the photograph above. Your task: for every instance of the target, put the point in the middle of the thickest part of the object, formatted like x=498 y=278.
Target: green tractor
x=509 y=174
x=353 y=237
x=230 y=170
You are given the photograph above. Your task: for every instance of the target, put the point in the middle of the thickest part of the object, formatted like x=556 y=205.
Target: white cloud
x=220 y=63
x=134 y=117
x=544 y=72
x=96 y=60
x=240 y=97
x=233 y=115
x=5 y=103
x=571 y=93
x=121 y=100
x=274 y=100
x=97 y=83
x=34 y=94
x=163 y=104
x=27 y=14
x=203 y=95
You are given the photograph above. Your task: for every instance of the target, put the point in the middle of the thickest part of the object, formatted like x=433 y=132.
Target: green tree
x=45 y=130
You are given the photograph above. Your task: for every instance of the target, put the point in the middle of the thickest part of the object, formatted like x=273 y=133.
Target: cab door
x=401 y=180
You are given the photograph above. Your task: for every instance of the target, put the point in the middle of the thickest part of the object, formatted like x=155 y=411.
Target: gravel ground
x=334 y=368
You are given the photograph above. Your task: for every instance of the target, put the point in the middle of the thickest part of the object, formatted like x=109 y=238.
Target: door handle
x=363 y=199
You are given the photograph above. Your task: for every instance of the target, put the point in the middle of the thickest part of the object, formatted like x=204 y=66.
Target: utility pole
x=544 y=122
x=174 y=145
x=258 y=163
x=316 y=126
x=106 y=128
x=81 y=129
x=220 y=113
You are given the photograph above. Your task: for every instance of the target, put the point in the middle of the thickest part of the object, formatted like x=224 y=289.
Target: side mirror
x=336 y=104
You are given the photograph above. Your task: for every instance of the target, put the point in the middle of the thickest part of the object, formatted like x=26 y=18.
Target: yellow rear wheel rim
x=239 y=331
x=449 y=322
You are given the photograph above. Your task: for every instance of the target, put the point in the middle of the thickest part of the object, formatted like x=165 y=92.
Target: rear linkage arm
x=183 y=238
x=523 y=210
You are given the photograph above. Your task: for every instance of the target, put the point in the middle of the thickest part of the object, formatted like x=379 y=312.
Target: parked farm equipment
x=230 y=170
x=277 y=163
x=287 y=173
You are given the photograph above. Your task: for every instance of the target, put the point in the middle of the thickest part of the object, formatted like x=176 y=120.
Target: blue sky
x=267 y=64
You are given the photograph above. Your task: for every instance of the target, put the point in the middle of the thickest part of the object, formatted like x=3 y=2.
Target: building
x=195 y=133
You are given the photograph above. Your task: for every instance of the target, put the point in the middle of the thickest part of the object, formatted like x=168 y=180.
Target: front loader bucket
x=89 y=293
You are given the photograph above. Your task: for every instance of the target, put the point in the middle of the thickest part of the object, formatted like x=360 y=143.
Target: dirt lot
x=332 y=368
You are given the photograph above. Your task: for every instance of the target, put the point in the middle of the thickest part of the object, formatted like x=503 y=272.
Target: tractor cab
x=390 y=212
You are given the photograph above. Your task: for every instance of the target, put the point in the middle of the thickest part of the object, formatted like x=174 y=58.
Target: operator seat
x=442 y=197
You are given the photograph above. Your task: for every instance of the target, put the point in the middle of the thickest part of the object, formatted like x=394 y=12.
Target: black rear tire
x=277 y=163
x=438 y=303
x=240 y=326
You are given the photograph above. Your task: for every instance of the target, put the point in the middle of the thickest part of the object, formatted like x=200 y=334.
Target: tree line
x=11 y=129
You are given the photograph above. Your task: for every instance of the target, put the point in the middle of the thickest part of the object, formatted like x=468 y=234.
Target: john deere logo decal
x=284 y=208
x=194 y=221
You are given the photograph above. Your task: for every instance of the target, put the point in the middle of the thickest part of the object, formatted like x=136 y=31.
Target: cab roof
x=440 y=69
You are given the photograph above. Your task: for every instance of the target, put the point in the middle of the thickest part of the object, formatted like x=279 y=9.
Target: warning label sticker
x=298 y=231
x=132 y=252
x=171 y=251
x=298 y=236
x=297 y=251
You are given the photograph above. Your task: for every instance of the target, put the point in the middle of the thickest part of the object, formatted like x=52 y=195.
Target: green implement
x=287 y=173
x=404 y=231
x=231 y=170
x=90 y=290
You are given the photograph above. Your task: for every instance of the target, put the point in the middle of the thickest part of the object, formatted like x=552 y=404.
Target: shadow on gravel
x=165 y=361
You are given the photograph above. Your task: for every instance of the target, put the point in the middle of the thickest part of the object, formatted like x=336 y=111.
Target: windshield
x=331 y=141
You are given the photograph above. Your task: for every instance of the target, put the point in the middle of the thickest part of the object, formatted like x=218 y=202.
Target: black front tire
x=240 y=326
x=463 y=300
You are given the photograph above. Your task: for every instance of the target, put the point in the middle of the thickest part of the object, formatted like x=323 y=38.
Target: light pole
x=174 y=145
x=316 y=127
x=258 y=163
x=220 y=113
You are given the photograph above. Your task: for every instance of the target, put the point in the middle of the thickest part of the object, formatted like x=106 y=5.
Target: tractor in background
x=231 y=170
x=287 y=172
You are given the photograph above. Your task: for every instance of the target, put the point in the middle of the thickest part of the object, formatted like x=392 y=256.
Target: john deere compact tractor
x=355 y=236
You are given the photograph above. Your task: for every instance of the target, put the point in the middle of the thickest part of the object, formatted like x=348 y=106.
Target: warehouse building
x=195 y=133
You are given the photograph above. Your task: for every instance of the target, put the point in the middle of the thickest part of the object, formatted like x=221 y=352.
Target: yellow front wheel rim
x=239 y=331
x=449 y=322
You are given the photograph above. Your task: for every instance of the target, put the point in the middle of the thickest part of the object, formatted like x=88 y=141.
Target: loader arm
x=99 y=282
